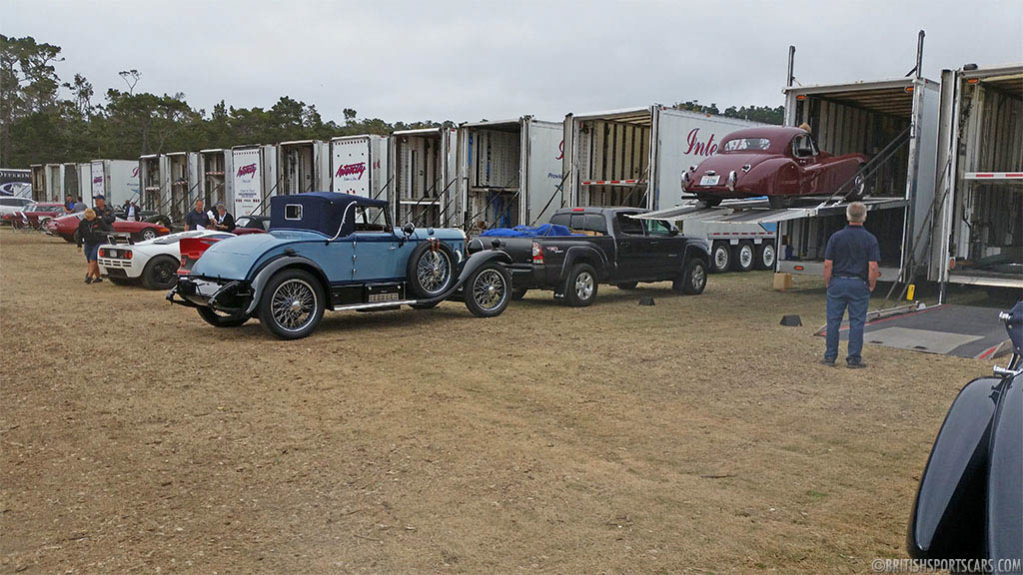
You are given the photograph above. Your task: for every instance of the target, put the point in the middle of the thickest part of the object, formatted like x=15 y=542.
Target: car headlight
x=732 y=178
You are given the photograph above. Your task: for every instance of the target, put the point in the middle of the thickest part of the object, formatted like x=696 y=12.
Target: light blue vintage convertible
x=328 y=251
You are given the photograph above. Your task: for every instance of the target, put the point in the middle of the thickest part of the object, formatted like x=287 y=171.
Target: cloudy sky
x=463 y=61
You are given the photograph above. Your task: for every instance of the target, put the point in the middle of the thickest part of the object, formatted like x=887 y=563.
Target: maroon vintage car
x=775 y=162
x=66 y=226
x=34 y=215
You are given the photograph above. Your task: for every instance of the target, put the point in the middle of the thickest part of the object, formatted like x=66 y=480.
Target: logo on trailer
x=247 y=170
x=561 y=151
x=97 y=180
x=135 y=172
x=698 y=148
x=351 y=170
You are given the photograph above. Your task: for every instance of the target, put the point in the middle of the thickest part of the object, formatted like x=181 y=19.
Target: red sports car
x=66 y=226
x=34 y=215
x=775 y=162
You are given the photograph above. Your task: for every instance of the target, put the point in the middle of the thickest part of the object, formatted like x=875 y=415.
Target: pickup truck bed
x=609 y=246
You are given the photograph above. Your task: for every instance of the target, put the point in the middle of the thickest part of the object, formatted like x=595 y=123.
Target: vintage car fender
x=773 y=177
x=269 y=268
x=1005 y=482
x=473 y=263
x=947 y=521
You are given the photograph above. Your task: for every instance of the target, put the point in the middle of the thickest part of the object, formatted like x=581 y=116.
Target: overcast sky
x=465 y=61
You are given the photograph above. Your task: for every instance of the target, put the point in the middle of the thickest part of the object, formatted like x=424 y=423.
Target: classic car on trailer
x=339 y=252
x=154 y=262
x=776 y=162
x=969 y=507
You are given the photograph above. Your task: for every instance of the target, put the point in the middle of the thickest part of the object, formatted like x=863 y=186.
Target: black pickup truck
x=611 y=246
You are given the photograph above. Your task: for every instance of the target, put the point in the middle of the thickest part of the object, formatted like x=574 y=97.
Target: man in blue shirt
x=851 y=269
x=197 y=217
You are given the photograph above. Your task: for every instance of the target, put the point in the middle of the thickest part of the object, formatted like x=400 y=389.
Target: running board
x=374 y=305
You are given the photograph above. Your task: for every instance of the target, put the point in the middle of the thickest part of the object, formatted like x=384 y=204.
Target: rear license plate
x=710 y=180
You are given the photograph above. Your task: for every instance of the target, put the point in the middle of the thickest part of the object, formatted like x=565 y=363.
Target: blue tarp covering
x=527 y=232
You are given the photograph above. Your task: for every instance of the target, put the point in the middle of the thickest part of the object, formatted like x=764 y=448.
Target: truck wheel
x=766 y=256
x=292 y=304
x=430 y=269
x=581 y=285
x=518 y=294
x=488 y=290
x=218 y=320
x=627 y=285
x=160 y=273
x=720 y=257
x=693 y=280
x=745 y=256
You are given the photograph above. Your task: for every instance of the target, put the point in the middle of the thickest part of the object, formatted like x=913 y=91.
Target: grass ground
x=695 y=436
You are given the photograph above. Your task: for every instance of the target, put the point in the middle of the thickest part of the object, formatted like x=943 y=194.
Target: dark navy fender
x=948 y=517
x=1005 y=480
x=267 y=271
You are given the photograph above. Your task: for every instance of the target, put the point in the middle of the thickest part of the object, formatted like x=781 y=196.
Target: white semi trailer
x=215 y=183
x=304 y=166
x=38 y=182
x=358 y=166
x=116 y=180
x=509 y=172
x=254 y=178
x=979 y=237
x=152 y=170
x=183 y=182
x=423 y=172
x=77 y=181
x=54 y=182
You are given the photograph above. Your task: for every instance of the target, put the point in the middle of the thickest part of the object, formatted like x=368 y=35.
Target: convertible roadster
x=775 y=162
x=970 y=504
x=338 y=252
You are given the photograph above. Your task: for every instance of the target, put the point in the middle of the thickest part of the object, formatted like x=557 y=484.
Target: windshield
x=746 y=145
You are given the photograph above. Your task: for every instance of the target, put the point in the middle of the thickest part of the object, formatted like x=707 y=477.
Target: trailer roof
x=1006 y=78
x=893 y=97
x=627 y=115
x=494 y=124
x=418 y=132
x=296 y=142
x=149 y=156
x=179 y=153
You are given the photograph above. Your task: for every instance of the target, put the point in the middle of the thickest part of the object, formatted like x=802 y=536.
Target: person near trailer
x=102 y=210
x=69 y=204
x=197 y=218
x=92 y=231
x=223 y=221
x=851 y=269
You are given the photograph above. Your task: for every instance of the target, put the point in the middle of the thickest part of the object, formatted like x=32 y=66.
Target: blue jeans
x=853 y=293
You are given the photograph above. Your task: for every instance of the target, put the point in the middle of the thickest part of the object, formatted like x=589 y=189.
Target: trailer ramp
x=760 y=212
x=957 y=330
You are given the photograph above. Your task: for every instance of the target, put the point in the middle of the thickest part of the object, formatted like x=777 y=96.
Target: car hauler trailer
x=38 y=182
x=254 y=171
x=54 y=183
x=16 y=183
x=636 y=157
x=304 y=166
x=183 y=178
x=423 y=173
x=116 y=180
x=895 y=124
x=82 y=190
x=980 y=178
x=152 y=170
x=509 y=172
x=214 y=183
x=358 y=166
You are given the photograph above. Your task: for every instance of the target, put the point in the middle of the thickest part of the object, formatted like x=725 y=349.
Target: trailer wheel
x=766 y=256
x=693 y=280
x=720 y=257
x=745 y=256
x=581 y=285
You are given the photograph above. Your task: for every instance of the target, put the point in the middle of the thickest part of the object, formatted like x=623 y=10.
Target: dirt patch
x=697 y=435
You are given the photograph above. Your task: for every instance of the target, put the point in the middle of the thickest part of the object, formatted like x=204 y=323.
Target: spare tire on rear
x=431 y=269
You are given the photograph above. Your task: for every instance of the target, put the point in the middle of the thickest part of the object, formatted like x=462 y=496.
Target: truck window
x=629 y=225
x=592 y=224
x=657 y=227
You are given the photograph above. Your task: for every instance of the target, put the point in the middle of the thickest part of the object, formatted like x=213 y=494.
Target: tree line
x=44 y=119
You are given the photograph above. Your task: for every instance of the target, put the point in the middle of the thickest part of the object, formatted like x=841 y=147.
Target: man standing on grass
x=197 y=218
x=851 y=269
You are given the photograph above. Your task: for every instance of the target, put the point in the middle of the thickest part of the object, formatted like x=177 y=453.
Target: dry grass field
x=695 y=436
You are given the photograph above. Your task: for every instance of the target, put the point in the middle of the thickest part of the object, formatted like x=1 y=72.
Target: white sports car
x=155 y=262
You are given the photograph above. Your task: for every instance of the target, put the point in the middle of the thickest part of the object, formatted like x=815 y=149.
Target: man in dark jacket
x=103 y=211
x=225 y=221
x=851 y=269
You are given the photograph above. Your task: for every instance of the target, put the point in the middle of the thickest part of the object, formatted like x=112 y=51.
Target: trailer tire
x=720 y=257
x=744 y=256
x=581 y=286
x=766 y=256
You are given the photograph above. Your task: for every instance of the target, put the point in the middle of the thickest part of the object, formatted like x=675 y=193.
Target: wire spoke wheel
x=293 y=304
x=489 y=289
x=434 y=271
